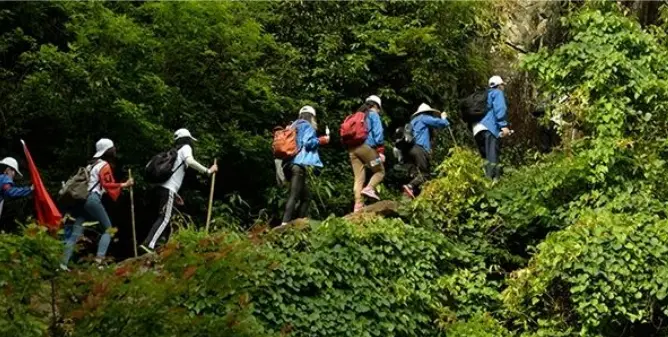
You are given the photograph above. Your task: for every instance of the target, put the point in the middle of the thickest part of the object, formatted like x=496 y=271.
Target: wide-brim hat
x=423 y=108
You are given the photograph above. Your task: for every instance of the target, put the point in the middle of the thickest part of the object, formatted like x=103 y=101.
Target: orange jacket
x=108 y=183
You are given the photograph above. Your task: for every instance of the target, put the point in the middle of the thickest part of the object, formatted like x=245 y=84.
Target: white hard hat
x=424 y=108
x=183 y=133
x=102 y=146
x=374 y=99
x=495 y=81
x=12 y=163
x=307 y=108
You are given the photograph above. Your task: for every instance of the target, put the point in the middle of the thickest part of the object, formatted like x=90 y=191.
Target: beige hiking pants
x=361 y=158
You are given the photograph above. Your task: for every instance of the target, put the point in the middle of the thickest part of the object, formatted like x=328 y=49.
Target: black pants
x=161 y=225
x=420 y=168
x=489 y=147
x=298 y=193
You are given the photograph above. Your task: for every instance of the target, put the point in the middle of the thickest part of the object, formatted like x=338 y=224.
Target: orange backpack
x=284 y=145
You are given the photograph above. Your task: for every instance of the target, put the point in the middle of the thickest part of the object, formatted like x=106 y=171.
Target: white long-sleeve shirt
x=184 y=160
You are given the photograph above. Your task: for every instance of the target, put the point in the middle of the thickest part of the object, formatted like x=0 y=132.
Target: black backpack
x=159 y=168
x=474 y=107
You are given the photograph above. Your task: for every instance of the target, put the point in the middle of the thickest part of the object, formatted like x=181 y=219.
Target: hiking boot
x=370 y=192
x=408 y=191
x=100 y=263
x=358 y=207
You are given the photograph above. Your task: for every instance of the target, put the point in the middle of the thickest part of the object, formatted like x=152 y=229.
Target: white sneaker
x=63 y=267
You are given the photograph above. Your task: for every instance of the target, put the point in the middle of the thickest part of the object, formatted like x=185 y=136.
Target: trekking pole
x=208 y=213
x=453 y=136
x=132 y=214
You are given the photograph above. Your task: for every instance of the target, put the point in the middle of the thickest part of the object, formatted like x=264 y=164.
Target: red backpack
x=354 y=130
x=284 y=145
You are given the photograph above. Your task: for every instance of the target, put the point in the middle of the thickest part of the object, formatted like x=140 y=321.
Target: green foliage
x=598 y=275
x=478 y=326
x=28 y=266
x=372 y=278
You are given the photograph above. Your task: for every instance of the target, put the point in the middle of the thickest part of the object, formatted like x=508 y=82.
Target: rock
x=385 y=208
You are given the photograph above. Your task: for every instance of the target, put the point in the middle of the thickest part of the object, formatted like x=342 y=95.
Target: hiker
x=421 y=124
x=101 y=181
x=295 y=169
x=168 y=191
x=371 y=154
x=7 y=188
x=492 y=126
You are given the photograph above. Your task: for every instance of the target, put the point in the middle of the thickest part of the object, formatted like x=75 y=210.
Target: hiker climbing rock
x=362 y=134
x=99 y=180
x=7 y=188
x=295 y=168
x=493 y=126
x=417 y=133
x=168 y=170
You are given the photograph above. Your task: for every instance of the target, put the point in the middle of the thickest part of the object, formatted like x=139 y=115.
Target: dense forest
x=571 y=241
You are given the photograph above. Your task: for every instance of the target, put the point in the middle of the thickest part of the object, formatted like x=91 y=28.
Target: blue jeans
x=490 y=148
x=93 y=210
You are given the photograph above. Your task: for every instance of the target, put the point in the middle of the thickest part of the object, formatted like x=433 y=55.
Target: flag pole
x=132 y=213
x=208 y=213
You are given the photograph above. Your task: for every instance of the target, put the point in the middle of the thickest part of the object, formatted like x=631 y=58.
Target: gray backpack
x=76 y=187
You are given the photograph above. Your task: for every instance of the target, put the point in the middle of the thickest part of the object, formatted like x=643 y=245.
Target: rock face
x=526 y=26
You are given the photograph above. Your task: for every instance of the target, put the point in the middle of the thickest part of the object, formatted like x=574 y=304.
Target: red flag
x=46 y=211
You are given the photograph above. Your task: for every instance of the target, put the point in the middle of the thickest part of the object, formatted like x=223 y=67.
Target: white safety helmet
x=307 y=108
x=12 y=163
x=495 y=81
x=375 y=99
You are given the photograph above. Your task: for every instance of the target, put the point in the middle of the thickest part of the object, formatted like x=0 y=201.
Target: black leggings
x=298 y=193
x=421 y=169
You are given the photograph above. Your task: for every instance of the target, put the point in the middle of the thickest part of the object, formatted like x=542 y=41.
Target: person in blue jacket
x=295 y=171
x=492 y=127
x=370 y=155
x=7 y=188
x=419 y=154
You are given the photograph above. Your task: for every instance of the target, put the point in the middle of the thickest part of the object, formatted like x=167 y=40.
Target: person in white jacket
x=168 y=191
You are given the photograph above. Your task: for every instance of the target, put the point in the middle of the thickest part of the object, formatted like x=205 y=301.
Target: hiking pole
x=453 y=136
x=208 y=213
x=132 y=214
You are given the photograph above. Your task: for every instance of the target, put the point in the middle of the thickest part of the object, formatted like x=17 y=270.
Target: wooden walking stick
x=132 y=214
x=453 y=136
x=208 y=213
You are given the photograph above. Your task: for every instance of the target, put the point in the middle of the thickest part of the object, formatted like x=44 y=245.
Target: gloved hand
x=380 y=149
x=444 y=115
x=382 y=157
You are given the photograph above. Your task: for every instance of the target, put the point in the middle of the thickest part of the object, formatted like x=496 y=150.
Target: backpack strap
x=89 y=168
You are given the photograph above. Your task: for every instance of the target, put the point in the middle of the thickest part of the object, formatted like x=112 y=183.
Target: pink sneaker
x=408 y=191
x=358 y=207
x=370 y=192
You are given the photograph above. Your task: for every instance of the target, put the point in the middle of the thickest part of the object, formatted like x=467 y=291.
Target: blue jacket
x=8 y=190
x=308 y=143
x=375 y=127
x=421 y=124
x=496 y=117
